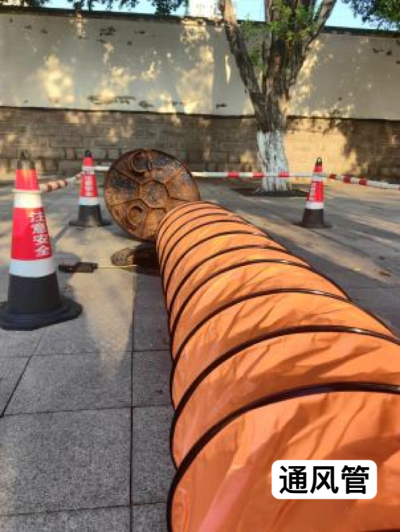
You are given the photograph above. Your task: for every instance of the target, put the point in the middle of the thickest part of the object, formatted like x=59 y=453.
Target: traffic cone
x=89 y=214
x=34 y=299
x=313 y=216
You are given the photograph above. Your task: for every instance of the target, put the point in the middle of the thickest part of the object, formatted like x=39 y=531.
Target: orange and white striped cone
x=89 y=214
x=34 y=298
x=313 y=216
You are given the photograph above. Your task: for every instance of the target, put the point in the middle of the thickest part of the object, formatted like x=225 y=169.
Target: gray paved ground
x=361 y=251
x=84 y=406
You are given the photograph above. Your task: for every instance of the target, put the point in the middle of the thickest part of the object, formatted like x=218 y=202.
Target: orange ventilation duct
x=271 y=361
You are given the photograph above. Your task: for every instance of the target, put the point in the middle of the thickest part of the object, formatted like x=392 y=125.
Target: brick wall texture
x=57 y=139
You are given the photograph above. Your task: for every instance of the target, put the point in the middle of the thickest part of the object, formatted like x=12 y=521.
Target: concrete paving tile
x=151 y=375
x=149 y=283
x=79 y=336
x=379 y=295
x=150 y=296
x=151 y=332
x=383 y=302
x=64 y=461
x=84 y=242
x=11 y=370
x=150 y=321
x=148 y=518
x=106 y=323
x=152 y=468
x=19 y=344
x=58 y=383
x=347 y=280
x=103 y=520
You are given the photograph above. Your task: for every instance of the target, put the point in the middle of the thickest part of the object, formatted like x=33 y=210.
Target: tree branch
x=323 y=14
x=266 y=10
x=239 y=50
x=320 y=19
x=228 y=11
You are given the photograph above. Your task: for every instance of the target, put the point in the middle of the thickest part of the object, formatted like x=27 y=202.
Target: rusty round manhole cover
x=142 y=186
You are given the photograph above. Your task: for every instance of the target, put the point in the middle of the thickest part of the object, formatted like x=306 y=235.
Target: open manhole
x=142 y=259
x=254 y=192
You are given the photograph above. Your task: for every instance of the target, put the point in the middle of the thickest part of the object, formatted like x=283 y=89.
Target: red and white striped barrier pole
x=362 y=181
x=299 y=175
x=285 y=175
x=34 y=299
x=250 y=175
x=231 y=175
x=58 y=184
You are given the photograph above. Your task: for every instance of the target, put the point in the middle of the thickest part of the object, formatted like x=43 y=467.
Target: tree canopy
x=384 y=13
x=162 y=7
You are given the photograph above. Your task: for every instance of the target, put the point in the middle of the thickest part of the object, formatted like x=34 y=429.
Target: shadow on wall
x=360 y=148
x=142 y=68
x=369 y=147
x=99 y=62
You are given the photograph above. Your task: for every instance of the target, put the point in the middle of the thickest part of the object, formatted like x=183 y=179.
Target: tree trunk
x=271 y=131
x=281 y=59
x=271 y=150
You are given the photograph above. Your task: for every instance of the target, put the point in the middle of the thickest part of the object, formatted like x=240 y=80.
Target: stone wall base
x=57 y=140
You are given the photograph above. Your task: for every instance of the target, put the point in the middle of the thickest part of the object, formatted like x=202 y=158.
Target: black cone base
x=314 y=219
x=89 y=216
x=68 y=310
x=34 y=303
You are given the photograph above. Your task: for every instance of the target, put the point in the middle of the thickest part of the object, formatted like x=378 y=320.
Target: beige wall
x=136 y=64
x=352 y=76
x=118 y=64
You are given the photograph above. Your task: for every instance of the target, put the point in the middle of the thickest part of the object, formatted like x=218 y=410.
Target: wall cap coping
x=110 y=15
